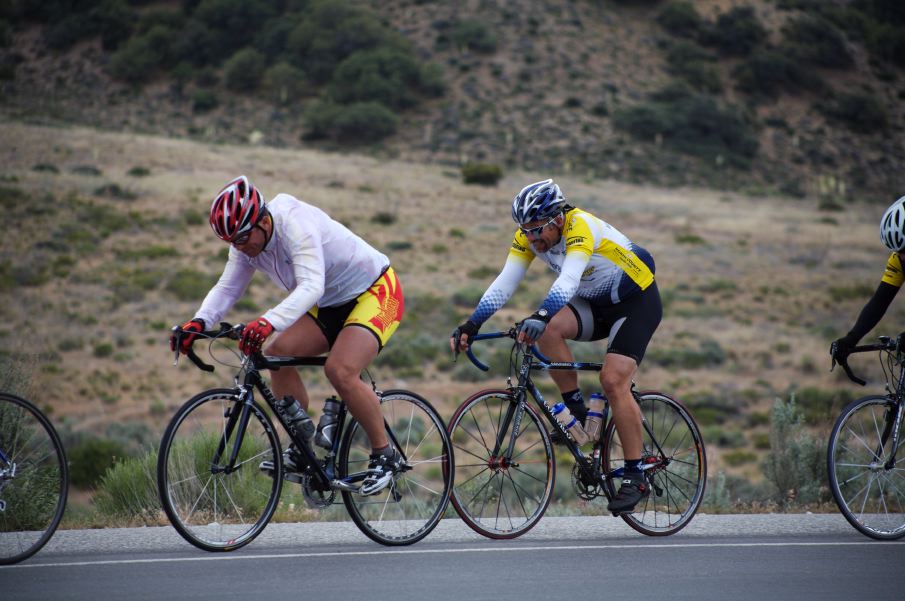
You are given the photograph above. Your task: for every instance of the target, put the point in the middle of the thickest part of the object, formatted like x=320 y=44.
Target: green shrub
x=385 y=75
x=474 y=35
x=739 y=457
x=139 y=171
x=680 y=19
x=861 y=113
x=89 y=460
x=694 y=65
x=816 y=41
x=768 y=72
x=796 y=463
x=228 y=22
x=483 y=174
x=141 y=56
x=204 y=101
x=364 y=122
x=736 y=32
x=128 y=490
x=709 y=354
x=284 y=83
x=189 y=285
x=103 y=350
x=692 y=124
x=243 y=70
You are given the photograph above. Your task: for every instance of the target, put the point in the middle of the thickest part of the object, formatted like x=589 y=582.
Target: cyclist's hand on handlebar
x=254 y=335
x=532 y=328
x=462 y=337
x=840 y=350
x=184 y=336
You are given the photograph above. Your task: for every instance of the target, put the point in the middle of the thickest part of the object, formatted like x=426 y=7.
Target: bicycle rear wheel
x=676 y=466
x=212 y=506
x=34 y=479
x=497 y=496
x=408 y=509
x=869 y=493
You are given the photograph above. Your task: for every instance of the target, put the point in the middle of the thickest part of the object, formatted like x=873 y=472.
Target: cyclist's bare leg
x=616 y=380
x=552 y=343
x=302 y=339
x=355 y=348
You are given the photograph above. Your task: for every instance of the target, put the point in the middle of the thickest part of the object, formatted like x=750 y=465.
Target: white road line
x=492 y=549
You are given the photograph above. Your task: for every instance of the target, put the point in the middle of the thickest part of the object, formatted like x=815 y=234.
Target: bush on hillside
x=693 y=124
x=243 y=70
x=232 y=23
x=818 y=42
x=862 y=113
x=474 y=35
x=358 y=122
x=284 y=83
x=766 y=73
x=693 y=64
x=680 y=19
x=736 y=32
x=483 y=174
x=138 y=60
x=384 y=75
x=89 y=460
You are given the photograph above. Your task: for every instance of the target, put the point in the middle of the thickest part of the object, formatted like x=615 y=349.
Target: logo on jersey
x=575 y=241
x=518 y=247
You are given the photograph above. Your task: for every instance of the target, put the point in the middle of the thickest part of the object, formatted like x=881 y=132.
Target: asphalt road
x=735 y=557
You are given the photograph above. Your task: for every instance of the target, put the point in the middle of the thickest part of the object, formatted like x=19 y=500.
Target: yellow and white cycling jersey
x=893 y=274
x=594 y=260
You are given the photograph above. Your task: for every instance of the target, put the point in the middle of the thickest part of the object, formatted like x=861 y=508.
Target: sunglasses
x=534 y=232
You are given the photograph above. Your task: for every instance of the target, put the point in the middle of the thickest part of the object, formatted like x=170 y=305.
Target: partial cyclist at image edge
x=344 y=297
x=892 y=234
x=605 y=289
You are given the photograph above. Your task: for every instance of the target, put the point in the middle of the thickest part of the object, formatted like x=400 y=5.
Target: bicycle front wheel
x=215 y=503
x=675 y=462
x=408 y=509
x=34 y=479
x=868 y=488
x=497 y=494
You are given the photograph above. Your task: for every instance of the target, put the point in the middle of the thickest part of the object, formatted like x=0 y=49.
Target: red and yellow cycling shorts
x=378 y=309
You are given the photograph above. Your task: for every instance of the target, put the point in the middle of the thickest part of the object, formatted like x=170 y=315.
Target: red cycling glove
x=184 y=336
x=254 y=335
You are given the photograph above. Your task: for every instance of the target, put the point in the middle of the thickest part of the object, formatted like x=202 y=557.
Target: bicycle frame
x=533 y=360
x=323 y=473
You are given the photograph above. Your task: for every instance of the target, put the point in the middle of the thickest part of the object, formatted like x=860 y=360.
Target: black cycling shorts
x=629 y=325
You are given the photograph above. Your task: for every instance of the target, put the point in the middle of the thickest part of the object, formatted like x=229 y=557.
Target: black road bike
x=506 y=469
x=865 y=456
x=34 y=479
x=219 y=496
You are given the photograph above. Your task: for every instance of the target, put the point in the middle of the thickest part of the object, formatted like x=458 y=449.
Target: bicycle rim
x=869 y=494
x=497 y=496
x=212 y=509
x=408 y=509
x=679 y=472
x=33 y=484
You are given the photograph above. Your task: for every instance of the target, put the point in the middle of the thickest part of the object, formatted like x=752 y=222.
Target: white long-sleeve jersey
x=318 y=260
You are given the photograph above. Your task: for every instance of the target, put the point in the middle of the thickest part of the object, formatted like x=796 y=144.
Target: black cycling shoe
x=634 y=489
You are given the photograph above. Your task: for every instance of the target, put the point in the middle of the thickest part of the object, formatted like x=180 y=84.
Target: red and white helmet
x=236 y=209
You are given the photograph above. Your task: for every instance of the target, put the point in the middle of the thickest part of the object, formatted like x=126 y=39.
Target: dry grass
x=754 y=275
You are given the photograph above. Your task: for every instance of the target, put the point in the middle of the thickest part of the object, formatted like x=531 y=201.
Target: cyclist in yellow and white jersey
x=605 y=289
x=343 y=296
x=892 y=233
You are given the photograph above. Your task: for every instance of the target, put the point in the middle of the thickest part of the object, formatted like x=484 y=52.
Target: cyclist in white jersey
x=343 y=297
x=605 y=289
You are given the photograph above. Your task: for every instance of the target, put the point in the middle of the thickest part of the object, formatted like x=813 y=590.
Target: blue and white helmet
x=892 y=226
x=540 y=200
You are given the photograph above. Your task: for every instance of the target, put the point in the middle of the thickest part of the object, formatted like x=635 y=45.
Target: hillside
x=795 y=97
x=107 y=246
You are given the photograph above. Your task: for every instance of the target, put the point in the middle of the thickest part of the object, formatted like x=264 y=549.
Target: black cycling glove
x=469 y=329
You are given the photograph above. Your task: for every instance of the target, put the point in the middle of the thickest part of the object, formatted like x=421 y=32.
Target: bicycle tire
x=480 y=493
x=412 y=506
x=868 y=495
x=35 y=494
x=218 y=511
x=678 y=481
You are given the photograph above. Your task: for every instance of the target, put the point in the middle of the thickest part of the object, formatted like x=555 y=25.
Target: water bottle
x=297 y=417
x=572 y=425
x=326 y=427
x=594 y=421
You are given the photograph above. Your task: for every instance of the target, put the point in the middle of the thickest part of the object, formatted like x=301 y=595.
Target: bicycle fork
x=891 y=427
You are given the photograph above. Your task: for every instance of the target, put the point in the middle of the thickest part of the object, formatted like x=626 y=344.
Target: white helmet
x=539 y=200
x=892 y=226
